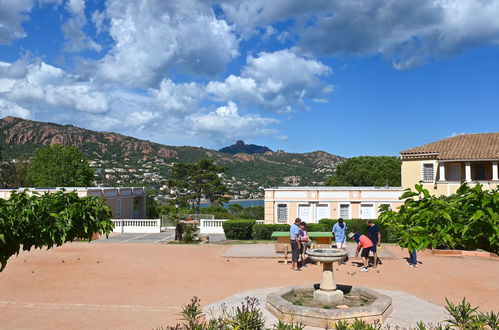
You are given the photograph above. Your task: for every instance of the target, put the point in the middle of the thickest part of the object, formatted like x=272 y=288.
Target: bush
x=317 y=227
x=238 y=229
x=264 y=231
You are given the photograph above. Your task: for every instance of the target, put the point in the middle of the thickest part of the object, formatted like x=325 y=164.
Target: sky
x=352 y=78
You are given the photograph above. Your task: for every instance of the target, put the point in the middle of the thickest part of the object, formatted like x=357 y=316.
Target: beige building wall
x=412 y=174
x=125 y=203
x=314 y=203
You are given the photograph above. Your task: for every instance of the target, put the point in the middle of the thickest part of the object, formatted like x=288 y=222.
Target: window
x=428 y=173
x=322 y=211
x=304 y=212
x=479 y=171
x=345 y=211
x=282 y=213
x=367 y=211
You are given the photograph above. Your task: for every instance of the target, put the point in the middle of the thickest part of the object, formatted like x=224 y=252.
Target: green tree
x=36 y=221
x=60 y=166
x=195 y=181
x=14 y=174
x=235 y=209
x=468 y=219
x=367 y=171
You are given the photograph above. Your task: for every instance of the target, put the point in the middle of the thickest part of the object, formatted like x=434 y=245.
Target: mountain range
x=124 y=160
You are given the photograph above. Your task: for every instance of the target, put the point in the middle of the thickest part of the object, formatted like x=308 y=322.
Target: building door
x=454 y=170
x=367 y=211
x=322 y=211
x=304 y=212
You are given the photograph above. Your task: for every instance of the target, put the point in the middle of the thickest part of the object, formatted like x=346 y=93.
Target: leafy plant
x=193 y=315
x=190 y=232
x=36 y=221
x=468 y=219
x=463 y=315
x=288 y=326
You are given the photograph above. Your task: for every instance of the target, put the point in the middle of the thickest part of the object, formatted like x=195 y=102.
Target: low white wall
x=215 y=226
x=137 y=225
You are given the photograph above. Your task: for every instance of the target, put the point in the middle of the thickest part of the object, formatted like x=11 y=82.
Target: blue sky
x=347 y=77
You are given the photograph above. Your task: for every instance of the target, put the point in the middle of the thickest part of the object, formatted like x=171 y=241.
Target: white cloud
x=178 y=97
x=409 y=33
x=11 y=109
x=279 y=81
x=226 y=124
x=152 y=36
x=12 y=14
x=44 y=86
x=98 y=19
x=76 y=39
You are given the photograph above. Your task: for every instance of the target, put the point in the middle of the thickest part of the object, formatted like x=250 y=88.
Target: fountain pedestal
x=328 y=294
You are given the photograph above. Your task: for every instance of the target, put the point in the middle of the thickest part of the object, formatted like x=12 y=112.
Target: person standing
x=413 y=258
x=365 y=243
x=294 y=236
x=340 y=236
x=375 y=236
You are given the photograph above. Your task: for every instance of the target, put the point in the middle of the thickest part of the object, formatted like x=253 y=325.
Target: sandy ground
x=142 y=286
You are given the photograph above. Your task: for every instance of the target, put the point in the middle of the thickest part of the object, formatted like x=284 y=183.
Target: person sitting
x=305 y=242
x=365 y=243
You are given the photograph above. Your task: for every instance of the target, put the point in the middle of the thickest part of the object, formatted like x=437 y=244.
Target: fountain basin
x=327 y=255
x=376 y=312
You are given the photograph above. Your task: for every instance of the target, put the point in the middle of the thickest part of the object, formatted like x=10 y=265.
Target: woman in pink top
x=366 y=244
x=305 y=242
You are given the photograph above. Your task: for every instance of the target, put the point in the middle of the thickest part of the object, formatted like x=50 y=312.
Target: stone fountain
x=328 y=302
x=328 y=293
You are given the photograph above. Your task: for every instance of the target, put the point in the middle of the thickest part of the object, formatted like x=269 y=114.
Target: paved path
x=163 y=237
x=407 y=309
x=268 y=251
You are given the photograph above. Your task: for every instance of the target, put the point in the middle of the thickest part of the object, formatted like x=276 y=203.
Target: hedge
x=360 y=226
x=241 y=229
x=238 y=229
x=264 y=231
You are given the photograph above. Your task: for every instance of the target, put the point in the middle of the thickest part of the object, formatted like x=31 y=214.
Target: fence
x=214 y=226
x=137 y=225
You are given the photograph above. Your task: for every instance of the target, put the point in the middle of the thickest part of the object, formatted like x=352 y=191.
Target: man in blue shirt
x=294 y=236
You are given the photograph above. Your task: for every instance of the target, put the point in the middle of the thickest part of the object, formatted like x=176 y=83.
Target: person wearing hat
x=365 y=243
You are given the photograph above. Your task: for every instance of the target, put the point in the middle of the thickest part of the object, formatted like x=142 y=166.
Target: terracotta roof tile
x=466 y=146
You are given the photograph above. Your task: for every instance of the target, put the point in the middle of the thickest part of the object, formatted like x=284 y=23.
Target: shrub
x=264 y=231
x=238 y=229
x=317 y=227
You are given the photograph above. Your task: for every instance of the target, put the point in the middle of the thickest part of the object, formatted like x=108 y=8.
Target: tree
x=60 y=166
x=195 y=181
x=235 y=209
x=367 y=171
x=14 y=174
x=468 y=219
x=37 y=221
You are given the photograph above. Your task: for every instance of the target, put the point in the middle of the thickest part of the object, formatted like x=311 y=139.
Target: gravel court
x=139 y=237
